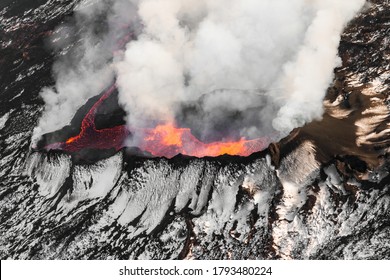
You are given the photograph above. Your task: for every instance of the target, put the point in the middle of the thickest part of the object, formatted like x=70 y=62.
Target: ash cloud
x=224 y=68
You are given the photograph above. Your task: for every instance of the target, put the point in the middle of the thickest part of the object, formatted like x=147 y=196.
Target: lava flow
x=168 y=140
x=165 y=140
x=92 y=138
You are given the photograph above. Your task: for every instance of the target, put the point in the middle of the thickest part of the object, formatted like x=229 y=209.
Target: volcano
x=83 y=192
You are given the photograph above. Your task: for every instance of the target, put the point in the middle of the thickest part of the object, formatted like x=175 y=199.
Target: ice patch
x=4 y=119
x=334 y=181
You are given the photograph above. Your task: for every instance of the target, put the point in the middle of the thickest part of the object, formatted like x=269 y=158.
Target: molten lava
x=165 y=140
x=168 y=140
x=92 y=138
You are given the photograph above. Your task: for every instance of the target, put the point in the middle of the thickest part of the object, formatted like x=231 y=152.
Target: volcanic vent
x=99 y=127
x=191 y=78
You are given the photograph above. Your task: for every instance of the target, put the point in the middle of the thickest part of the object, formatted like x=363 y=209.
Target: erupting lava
x=165 y=140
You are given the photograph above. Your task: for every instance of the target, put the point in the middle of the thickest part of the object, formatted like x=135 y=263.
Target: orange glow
x=167 y=134
x=164 y=140
x=72 y=139
x=92 y=138
x=168 y=140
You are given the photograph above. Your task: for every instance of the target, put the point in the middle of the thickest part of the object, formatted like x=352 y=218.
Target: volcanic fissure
x=163 y=140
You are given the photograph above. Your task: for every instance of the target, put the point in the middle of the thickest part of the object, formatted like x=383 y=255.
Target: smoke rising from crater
x=225 y=68
x=85 y=45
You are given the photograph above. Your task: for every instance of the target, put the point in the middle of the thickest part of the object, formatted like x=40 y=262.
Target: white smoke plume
x=307 y=77
x=85 y=46
x=258 y=66
x=226 y=53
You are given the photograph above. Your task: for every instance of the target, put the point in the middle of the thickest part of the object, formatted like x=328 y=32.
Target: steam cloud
x=225 y=68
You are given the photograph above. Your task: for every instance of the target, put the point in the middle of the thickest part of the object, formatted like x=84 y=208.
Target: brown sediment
x=334 y=136
x=356 y=112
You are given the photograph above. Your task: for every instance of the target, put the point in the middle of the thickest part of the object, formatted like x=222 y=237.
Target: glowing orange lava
x=168 y=140
x=164 y=140
x=72 y=139
x=92 y=138
x=167 y=135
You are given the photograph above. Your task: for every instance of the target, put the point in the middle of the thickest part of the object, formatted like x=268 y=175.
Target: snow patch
x=4 y=119
x=92 y=181
x=49 y=173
